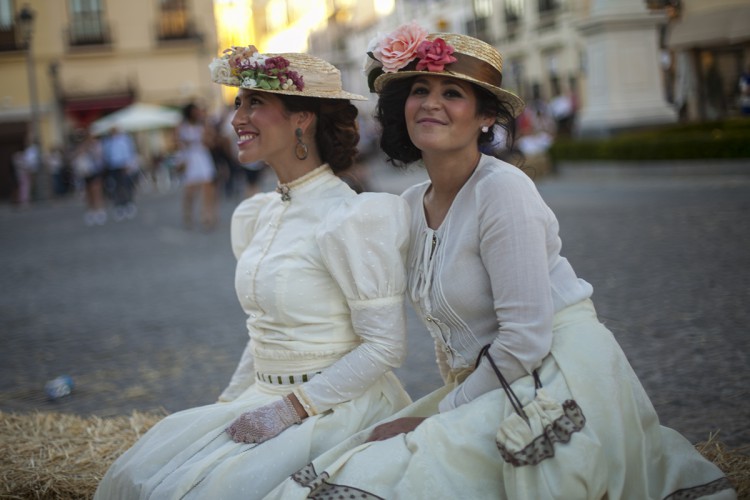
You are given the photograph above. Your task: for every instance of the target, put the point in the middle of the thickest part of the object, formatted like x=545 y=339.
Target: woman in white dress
x=320 y=274
x=200 y=170
x=539 y=400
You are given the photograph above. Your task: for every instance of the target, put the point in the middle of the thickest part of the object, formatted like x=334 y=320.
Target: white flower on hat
x=221 y=72
x=256 y=58
x=249 y=83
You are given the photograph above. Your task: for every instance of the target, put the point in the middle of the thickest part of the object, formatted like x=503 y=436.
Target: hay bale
x=62 y=456
x=734 y=463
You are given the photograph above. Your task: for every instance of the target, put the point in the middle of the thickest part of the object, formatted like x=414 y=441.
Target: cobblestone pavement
x=142 y=313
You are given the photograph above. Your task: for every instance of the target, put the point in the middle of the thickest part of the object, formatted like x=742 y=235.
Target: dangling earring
x=485 y=129
x=300 y=150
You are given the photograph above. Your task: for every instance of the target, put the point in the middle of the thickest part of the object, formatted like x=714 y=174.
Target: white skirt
x=616 y=449
x=188 y=454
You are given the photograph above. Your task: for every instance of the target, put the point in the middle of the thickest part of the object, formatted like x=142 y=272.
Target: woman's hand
x=394 y=428
x=261 y=424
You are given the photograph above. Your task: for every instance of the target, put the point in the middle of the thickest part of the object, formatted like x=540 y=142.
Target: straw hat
x=459 y=56
x=288 y=74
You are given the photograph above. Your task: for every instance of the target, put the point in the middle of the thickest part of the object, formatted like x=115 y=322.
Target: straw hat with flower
x=409 y=51
x=289 y=74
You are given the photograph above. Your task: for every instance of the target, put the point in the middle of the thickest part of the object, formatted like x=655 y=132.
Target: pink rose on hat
x=399 y=48
x=434 y=55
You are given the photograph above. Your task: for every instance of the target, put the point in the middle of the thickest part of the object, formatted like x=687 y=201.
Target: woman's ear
x=304 y=120
x=488 y=121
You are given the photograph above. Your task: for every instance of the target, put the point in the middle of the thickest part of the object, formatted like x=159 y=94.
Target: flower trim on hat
x=393 y=52
x=247 y=68
x=434 y=55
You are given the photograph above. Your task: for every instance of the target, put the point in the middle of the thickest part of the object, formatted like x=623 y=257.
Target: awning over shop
x=138 y=117
x=719 y=26
x=86 y=109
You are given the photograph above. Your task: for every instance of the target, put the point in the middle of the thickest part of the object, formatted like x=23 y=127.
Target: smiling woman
x=325 y=325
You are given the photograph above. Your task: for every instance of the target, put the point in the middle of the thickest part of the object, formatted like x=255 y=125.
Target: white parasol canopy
x=137 y=117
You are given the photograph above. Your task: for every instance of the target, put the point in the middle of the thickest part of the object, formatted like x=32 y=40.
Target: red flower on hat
x=434 y=55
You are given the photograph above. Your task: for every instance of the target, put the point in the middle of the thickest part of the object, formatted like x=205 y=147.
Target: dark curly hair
x=337 y=134
x=394 y=138
x=187 y=111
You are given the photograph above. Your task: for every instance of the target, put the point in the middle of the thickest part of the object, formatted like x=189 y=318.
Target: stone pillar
x=624 y=87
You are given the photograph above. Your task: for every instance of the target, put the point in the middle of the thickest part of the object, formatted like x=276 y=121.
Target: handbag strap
x=517 y=406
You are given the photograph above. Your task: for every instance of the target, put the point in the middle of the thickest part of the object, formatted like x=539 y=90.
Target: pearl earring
x=485 y=129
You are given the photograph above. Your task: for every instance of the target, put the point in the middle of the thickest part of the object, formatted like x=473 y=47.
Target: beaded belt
x=284 y=379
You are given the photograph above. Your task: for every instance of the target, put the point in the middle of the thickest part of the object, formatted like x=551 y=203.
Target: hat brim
x=514 y=102
x=341 y=94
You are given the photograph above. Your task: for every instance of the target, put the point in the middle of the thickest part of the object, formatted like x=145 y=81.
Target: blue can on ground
x=59 y=387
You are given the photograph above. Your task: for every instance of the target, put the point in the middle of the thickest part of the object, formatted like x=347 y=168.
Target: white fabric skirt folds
x=188 y=454
x=592 y=434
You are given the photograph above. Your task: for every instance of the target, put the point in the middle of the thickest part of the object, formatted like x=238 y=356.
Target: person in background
x=744 y=88
x=562 y=110
x=320 y=274
x=120 y=161
x=26 y=165
x=199 y=174
x=59 y=169
x=88 y=166
x=539 y=400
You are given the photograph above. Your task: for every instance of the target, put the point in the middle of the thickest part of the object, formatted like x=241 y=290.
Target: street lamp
x=26 y=23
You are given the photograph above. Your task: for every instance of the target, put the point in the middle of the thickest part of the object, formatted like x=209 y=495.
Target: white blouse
x=492 y=273
x=321 y=277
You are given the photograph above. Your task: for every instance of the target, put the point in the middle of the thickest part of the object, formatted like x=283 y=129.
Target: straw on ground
x=63 y=456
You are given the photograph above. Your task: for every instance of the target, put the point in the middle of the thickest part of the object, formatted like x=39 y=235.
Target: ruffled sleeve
x=364 y=245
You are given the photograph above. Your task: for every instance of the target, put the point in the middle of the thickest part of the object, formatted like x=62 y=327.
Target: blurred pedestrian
x=536 y=131
x=26 y=164
x=120 y=161
x=199 y=171
x=88 y=167
x=744 y=87
x=59 y=169
x=562 y=111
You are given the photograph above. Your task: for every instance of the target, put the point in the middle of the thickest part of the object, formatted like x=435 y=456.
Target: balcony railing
x=548 y=6
x=9 y=39
x=88 y=29
x=548 y=20
x=175 y=24
x=512 y=27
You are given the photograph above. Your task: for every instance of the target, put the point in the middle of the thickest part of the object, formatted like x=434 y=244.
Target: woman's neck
x=448 y=174
x=291 y=169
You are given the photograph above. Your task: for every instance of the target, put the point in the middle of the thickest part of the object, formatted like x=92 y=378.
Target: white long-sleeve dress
x=199 y=165
x=492 y=275
x=321 y=277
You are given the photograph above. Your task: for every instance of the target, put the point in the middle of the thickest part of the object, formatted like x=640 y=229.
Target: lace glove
x=261 y=424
